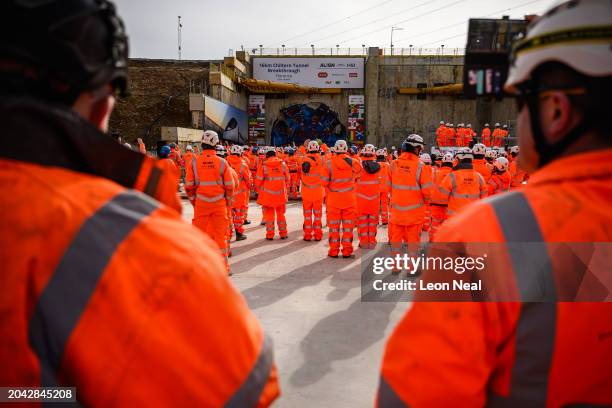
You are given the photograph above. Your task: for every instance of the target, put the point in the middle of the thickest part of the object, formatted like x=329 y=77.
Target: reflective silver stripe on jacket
x=367 y=197
x=465 y=196
x=405 y=187
x=407 y=208
x=369 y=182
x=273 y=192
x=194 y=165
x=210 y=199
x=341 y=190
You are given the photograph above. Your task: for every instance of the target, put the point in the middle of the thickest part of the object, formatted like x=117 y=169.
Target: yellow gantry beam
x=452 y=89
x=270 y=87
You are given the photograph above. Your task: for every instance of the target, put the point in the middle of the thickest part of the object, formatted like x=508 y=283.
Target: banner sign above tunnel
x=316 y=72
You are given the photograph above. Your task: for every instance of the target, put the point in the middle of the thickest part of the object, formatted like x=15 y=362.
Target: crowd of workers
x=447 y=135
x=106 y=289
x=361 y=188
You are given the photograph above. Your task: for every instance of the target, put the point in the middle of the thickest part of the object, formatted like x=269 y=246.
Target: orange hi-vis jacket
x=486 y=136
x=518 y=175
x=497 y=138
x=271 y=182
x=411 y=183
x=253 y=159
x=459 y=136
x=241 y=194
x=441 y=135
x=439 y=176
x=142 y=148
x=368 y=187
x=175 y=156
x=481 y=166
x=385 y=174
x=188 y=158
x=98 y=277
x=450 y=136
x=338 y=177
x=513 y=354
x=312 y=189
x=499 y=183
x=462 y=187
x=293 y=163
x=209 y=182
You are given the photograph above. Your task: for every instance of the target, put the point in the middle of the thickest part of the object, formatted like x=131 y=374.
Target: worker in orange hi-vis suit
x=497 y=137
x=500 y=178
x=516 y=172
x=385 y=189
x=339 y=175
x=411 y=186
x=271 y=185
x=175 y=155
x=209 y=185
x=463 y=185
x=451 y=135
x=459 y=135
x=437 y=204
x=141 y=146
x=469 y=134
x=441 y=135
x=293 y=163
x=426 y=160
x=312 y=192
x=485 y=135
x=368 y=197
x=241 y=195
x=479 y=163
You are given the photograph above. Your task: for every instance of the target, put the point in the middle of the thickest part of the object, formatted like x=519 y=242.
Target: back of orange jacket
x=462 y=187
x=339 y=175
x=481 y=166
x=499 y=183
x=209 y=181
x=312 y=189
x=271 y=182
x=411 y=183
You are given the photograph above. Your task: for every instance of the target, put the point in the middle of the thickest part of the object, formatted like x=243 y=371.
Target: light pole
x=180 y=38
x=260 y=49
x=442 y=52
x=410 y=49
x=363 y=46
x=312 y=46
x=283 y=48
x=392 y=30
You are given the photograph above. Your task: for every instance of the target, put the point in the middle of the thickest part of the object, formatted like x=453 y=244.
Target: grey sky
x=211 y=28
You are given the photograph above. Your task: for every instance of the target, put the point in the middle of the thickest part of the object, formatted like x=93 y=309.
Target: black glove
x=306 y=167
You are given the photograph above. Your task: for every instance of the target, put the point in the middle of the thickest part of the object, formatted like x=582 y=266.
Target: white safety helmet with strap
x=413 y=140
x=236 y=149
x=426 y=158
x=220 y=149
x=514 y=150
x=479 y=148
x=189 y=148
x=448 y=157
x=442 y=122
x=381 y=152
x=210 y=137
x=491 y=154
x=369 y=149
x=486 y=125
x=340 y=146
x=313 y=146
x=501 y=164
x=464 y=153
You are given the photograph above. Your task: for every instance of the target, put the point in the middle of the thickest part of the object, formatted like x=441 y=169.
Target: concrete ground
x=328 y=344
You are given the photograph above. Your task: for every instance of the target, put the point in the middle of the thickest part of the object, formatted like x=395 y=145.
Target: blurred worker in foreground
x=479 y=163
x=312 y=192
x=338 y=177
x=271 y=185
x=368 y=197
x=411 y=185
x=485 y=135
x=499 y=182
x=103 y=284
x=209 y=185
x=548 y=353
x=438 y=205
x=240 y=202
x=385 y=187
x=463 y=185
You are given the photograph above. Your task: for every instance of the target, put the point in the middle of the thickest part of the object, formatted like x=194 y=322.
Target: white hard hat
x=490 y=154
x=501 y=164
x=426 y=158
x=369 y=149
x=220 y=149
x=189 y=148
x=381 y=152
x=210 y=137
x=469 y=125
x=441 y=122
x=460 y=125
x=341 y=146
x=313 y=146
x=261 y=150
x=574 y=33
x=505 y=126
x=486 y=125
x=497 y=124
x=235 y=149
x=448 y=157
x=479 y=148
x=464 y=153
x=514 y=149
x=450 y=125
x=414 y=140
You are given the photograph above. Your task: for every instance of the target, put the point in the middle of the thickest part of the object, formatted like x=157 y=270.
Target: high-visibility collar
x=408 y=156
x=589 y=165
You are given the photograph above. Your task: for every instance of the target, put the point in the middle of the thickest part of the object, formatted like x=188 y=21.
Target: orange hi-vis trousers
x=384 y=207
x=294 y=185
x=272 y=214
x=338 y=218
x=313 y=213
x=404 y=235
x=367 y=227
x=427 y=219
x=239 y=215
x=438 y=216
x=215 y=223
